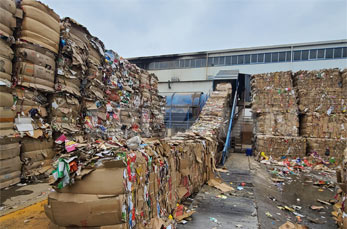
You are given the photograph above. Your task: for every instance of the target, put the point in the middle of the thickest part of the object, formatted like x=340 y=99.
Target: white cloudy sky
x=153 y=27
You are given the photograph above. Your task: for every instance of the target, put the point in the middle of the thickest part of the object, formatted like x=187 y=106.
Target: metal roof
x=342 y=41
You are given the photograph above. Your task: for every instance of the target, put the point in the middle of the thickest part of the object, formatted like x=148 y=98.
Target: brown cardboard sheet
x=9 y=150
x=102 y=181
x=84 y=210
x=10 y=165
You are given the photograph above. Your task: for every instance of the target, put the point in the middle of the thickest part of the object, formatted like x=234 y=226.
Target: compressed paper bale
x=9 y=150
x=318 y=125
x=65 y=114
x=321 y=145
x=7 y=19
x=37 y=155
x=26 y=52
x=325 y=78
x=6 y=60
x=40 y=25
x=274 y=100
x=9 y=5
x=10 y=165
x=10 y=182
x=9 y=177
x=84 y=210
x=272 y=80
x=280 y=124
x=278 y=146
x=344 y=78
x=323 y=100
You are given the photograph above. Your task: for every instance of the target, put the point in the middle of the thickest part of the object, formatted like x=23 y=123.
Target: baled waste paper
x=317 y=111
x=139 y=181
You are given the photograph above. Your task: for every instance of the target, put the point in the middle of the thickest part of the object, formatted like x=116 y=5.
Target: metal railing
x=227 y=141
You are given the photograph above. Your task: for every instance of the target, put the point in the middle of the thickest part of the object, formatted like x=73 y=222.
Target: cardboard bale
x=65 y=114
x=40 y=25
x=72 y=58
x=278 y=146
x=7 y=113
x=278 y=124
x=104 y=180
x=6 y=57
x=10 y=164
x=325 y=78
x=156 y=175
x=272 y=81
x=84 y=210
x=32 y=114
x=344 y=78
x=7 y=17
x=274 y=100
x=321 y=91
x=335 y=147
x=34 y=67
x=37 y=155
x=316 y=125
x=123 y=94
x=118 y=226
x=323 y=100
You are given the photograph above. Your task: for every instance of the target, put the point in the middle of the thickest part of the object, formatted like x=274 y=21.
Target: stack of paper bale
x=276 y=115
x=10 y=163
x=146 y=104
x=66 y=103
x=96 y=109
x=123 y=95
x=33 y=77
x=137 y=183
x=322 y=99
x=158 y=104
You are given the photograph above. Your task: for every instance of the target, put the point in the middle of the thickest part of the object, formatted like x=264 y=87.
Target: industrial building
x=196 y=71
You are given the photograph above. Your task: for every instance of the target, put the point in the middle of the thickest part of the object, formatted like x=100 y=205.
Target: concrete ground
x=255 y=206
x=237 y=211
x=17 y=197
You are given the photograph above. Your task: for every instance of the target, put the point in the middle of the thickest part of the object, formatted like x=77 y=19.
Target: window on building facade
x=321 y=53
x=297 y=55
x=210 y=61
x=186 y=63
x=192 y=63
x=267 y=57
x=247 y=59
x=329 y=53
x=203 y=62
x=274 y=57
x=313 y=54
x=221 y=60
x=304 y=54
x=337 y=52
x=282 y=56
x=289 y=56
x=254 y=58
x=181 y=63
x=234 y=60
x=344 y=52
x=240 y=59
x=228 y=60
x=261 y=58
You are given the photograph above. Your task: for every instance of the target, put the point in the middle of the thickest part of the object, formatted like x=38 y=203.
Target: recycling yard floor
x=255 y=206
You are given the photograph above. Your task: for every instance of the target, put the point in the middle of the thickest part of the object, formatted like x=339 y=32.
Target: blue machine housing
x=182 y=109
